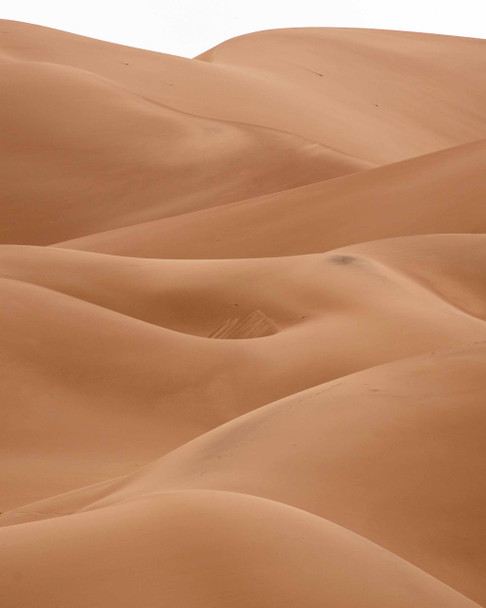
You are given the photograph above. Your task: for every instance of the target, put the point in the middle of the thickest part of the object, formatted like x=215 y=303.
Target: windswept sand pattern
x=254 y=325
x=243 y=320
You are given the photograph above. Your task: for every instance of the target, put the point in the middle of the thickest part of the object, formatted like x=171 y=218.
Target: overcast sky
x=189 y=27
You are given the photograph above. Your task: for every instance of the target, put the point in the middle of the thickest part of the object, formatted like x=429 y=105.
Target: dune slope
x=404 y=93
x=183 y=545
x=441 y=192
x=124 y=363
x=243 y=321
x=397 y=451
x=126 y=159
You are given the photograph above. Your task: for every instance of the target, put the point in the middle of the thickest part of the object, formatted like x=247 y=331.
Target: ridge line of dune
x=431 y=289
x=156 y=452
x=209 y=59
x=274 y=129
x=117 y=85
x=417 y=280
x=293 y=508
x=257 y=498
x=421 y=283
x=339 y=537
x=326 y=386
x=261 y=199
x=89 y=303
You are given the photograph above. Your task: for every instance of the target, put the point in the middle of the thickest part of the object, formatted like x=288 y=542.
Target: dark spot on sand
x=343 y=259
x=312 y=71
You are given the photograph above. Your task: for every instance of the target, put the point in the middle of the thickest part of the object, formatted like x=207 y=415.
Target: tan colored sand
x=242 y=319
x=109 y=343
x=442 y=192
x=193 y=549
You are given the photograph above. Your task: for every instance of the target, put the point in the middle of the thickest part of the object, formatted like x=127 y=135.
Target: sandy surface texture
x=243 y=322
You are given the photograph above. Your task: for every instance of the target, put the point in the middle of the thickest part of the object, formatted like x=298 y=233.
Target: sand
x=242 y=308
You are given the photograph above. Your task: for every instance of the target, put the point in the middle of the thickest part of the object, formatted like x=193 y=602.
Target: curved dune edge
x=392 y=413
x=209 y=548
x=376 y=81
x=162 y=292
x=442 y=192
x=111 y=390
x=243 y=312
x=134 y=159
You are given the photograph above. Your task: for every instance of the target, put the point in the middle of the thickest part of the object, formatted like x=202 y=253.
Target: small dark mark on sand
x=342 y=259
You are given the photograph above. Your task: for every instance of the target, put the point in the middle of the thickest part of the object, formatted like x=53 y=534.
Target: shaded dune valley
x=243 y=322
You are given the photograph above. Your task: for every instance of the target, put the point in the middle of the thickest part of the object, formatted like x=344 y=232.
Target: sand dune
x=183 y=545
x=397 y=450
x=242 y=308
x=133 y=159
x=133 y=333
x=404 y=94
x=438 y=193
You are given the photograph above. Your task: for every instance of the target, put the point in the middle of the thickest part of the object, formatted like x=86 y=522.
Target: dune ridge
x=243 y=319
x=422 y=195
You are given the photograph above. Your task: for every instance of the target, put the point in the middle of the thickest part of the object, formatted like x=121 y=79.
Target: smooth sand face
x=242 y=309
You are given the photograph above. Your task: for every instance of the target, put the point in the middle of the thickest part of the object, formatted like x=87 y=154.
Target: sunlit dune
x=243 y=320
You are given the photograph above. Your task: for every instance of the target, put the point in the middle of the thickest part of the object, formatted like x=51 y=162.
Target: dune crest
x=243 y=320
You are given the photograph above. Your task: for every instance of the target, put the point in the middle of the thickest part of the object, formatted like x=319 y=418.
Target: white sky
x=189 y=27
